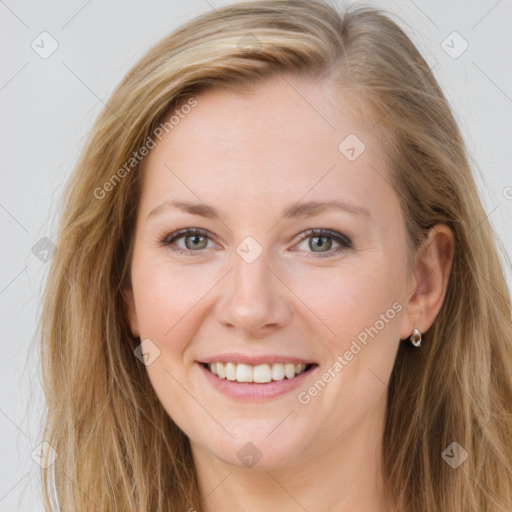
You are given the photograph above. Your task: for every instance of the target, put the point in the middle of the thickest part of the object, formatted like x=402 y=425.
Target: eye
x=194 y=239
x=320 y=239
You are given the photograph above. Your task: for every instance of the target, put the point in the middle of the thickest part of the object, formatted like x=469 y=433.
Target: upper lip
x=254 y=360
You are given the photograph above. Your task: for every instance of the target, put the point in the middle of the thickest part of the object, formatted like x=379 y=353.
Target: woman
x=198 y=352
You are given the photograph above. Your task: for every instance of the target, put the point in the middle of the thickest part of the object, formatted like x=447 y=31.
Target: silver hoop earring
x=415 y=337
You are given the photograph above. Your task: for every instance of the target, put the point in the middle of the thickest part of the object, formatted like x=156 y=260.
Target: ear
x=429 y=280
x=131 y=312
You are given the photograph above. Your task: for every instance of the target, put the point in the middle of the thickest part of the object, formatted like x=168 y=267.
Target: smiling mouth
x=258 y=374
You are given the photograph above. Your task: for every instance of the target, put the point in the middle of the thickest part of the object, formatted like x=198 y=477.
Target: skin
x=250 y=155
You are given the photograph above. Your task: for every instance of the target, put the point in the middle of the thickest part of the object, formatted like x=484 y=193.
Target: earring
x=415 y=338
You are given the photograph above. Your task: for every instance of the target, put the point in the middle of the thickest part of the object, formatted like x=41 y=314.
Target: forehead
x=273 y=143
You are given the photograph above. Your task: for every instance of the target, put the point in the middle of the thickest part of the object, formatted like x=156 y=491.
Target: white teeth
x=262 y=373
x=244 y=373
x=277 y=372
x=289 y=370
x=259 y=374
x=221 y=371
x=231 y=371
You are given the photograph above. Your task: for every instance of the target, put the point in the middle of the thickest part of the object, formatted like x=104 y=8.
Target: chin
x=257 y=452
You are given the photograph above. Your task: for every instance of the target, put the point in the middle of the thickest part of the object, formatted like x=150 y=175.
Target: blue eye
x=196 y=239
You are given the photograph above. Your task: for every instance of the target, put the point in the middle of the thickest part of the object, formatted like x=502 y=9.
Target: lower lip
x=253 y=391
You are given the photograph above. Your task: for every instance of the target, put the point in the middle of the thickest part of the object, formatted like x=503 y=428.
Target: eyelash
x=344 y=241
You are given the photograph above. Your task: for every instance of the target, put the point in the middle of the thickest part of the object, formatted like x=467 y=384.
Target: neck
x=343 y=477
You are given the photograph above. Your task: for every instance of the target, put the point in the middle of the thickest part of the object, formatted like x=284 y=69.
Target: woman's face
x=256 y=289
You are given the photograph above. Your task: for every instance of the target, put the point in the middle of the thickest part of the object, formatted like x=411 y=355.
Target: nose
x=255 y=300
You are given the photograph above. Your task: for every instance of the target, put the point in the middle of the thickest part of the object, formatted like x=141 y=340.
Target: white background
x=49 y=105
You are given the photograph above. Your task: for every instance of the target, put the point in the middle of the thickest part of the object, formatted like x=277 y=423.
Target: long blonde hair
x=117 y=447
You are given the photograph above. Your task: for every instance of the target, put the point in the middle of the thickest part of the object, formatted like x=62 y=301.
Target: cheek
x=168 y=302
x=169 y=299
x=360 y=308
x=351 y=298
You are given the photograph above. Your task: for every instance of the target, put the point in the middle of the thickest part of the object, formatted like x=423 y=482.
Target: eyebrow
x=307 y=209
